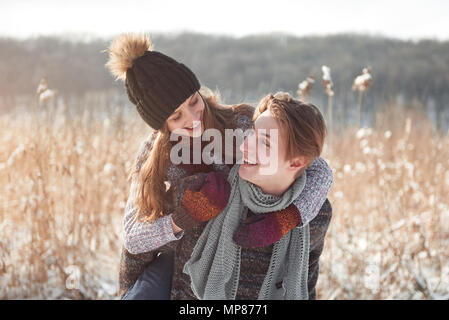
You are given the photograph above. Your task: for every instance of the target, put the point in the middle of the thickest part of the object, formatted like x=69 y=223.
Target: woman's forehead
x=184 y=103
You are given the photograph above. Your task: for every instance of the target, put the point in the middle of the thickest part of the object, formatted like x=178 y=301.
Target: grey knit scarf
x=214 y=266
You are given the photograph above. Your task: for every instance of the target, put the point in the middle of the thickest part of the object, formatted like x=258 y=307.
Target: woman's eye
x=192 y=103
x=177 y=117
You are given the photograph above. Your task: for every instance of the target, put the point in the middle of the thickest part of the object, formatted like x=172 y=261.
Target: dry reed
x=64 y=188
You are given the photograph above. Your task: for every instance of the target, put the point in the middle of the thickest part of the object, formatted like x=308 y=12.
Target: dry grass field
x=63 y=190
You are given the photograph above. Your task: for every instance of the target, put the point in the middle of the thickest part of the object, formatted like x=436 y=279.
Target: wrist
x=175 y=228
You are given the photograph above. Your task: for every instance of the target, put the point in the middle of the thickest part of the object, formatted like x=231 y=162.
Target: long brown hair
x=152 y=189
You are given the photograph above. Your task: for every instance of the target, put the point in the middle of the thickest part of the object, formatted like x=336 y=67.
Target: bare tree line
x=244 y=69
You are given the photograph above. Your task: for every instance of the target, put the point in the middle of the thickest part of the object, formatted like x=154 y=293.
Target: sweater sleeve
x=140 y=236
x=318 y=183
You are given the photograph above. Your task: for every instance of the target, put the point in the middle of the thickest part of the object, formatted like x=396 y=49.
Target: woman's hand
x=261 y=230
x=200 y=198
x=193 y=182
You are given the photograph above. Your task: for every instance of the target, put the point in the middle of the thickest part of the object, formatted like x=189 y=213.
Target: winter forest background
x=244 y=69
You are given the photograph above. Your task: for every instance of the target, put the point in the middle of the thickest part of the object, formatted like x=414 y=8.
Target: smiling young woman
x=167 y=96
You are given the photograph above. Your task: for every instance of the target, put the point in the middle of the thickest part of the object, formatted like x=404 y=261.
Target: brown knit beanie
x=155 y=83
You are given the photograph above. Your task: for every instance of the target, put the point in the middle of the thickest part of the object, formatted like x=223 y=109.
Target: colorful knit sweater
x=144 y=237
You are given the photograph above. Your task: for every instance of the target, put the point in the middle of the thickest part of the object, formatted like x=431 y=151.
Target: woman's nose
x=195 y=115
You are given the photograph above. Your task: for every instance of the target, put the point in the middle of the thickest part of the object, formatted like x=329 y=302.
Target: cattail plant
x=45 y=96
x=43 y=93
x=329 y=90
x=304 y=88
x=361 y=84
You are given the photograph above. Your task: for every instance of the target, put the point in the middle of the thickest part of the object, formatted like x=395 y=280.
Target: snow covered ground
x=63 y=189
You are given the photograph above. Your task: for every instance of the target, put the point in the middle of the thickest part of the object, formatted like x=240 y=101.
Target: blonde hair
x=151 y=196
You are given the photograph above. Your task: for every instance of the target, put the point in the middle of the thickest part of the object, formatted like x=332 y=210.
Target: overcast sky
x=411 y=19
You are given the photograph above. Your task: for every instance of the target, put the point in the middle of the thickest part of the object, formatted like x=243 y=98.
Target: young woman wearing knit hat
x=167 y=97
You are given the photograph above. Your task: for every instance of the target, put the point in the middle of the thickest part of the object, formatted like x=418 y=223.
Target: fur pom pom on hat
x=155 y=83
x=124 y=50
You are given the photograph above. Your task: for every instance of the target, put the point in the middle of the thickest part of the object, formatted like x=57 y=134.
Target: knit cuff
x=169 y=226
x=261 y=230
x=199 y=206
x=288 y=218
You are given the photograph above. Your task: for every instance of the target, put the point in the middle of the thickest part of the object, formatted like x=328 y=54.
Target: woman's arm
x=140 y=236
x=191 y=192
x=318 y=183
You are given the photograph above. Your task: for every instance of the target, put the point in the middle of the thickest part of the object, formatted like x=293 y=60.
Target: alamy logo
x=255 y=149
x=74 y=277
